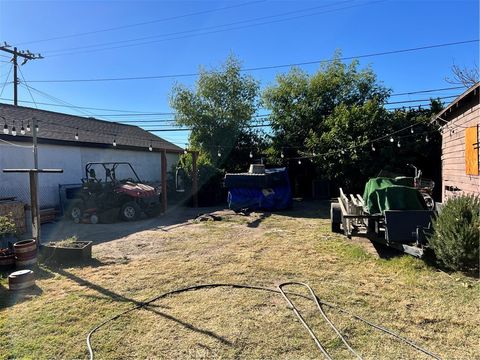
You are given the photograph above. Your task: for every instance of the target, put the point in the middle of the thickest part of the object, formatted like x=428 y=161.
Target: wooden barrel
x=25 y=253
x=21 y=279
x=7 y=259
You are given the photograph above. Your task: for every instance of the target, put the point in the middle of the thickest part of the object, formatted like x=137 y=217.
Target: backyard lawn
x=438 y=311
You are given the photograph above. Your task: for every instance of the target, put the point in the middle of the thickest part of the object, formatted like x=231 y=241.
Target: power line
x=383 y=53
x=141 y=23
x=152 y=113
x=196 y=32
x=429 y=90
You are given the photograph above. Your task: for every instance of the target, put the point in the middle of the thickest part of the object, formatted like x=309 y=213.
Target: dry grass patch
x=403 y=294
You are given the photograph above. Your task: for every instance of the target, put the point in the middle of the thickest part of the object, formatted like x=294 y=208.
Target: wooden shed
x=460 y=142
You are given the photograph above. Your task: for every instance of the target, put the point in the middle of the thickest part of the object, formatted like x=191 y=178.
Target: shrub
x=7 y=226
x=456 y=234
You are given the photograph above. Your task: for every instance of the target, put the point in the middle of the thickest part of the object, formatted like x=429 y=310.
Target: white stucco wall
x=72 y=160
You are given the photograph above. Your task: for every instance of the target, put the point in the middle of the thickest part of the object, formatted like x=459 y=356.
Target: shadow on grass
x=149 y=307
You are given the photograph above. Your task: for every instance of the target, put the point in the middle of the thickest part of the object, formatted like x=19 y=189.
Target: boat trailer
x=403 y=230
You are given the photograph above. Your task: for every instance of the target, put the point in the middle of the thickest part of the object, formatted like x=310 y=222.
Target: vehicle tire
x=335 y=218
x=75 y=209
x=130 y=211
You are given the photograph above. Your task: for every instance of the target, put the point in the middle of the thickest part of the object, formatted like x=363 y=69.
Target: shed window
x=471 y=150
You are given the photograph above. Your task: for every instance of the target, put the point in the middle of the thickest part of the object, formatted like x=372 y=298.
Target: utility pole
x=26 y=55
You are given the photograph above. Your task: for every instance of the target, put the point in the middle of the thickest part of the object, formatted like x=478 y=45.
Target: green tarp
x=392 y=194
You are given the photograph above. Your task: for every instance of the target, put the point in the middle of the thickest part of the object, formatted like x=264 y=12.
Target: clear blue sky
x=307 y=31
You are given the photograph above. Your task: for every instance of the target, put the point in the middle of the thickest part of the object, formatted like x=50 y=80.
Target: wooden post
x=34 y=207
x=195 y=179
x=33 y=175
x=164 y=180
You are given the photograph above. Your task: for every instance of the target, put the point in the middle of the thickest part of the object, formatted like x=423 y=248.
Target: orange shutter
x=471 y=150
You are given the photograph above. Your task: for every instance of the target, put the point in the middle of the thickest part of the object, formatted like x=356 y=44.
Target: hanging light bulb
x=282 y=154
x=14 y=130
x=398 y=143
x=426 y=138
x=114 y=142
x=5 y=128
x=150 y=147
x=411 y=130
x=343 y=152
x=76 y=135
x=313 y=153
x=299 y=162
x=219 y=154
x=185 y=151
x=36 y=127
x=250 y=155
x=22 y=129
x=373 y=148
x=391 y=139
x=28 y=126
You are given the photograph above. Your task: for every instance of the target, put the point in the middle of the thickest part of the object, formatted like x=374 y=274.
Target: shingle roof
x=469 y=96
x=59 y=127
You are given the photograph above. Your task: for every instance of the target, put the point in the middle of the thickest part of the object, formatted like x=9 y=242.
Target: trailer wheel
x=335 y=218
x=130 y=211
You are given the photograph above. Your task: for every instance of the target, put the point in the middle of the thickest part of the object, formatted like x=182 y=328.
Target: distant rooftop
x=57 y=127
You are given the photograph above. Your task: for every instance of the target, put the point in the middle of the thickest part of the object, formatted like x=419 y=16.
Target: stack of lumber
x=47 y=215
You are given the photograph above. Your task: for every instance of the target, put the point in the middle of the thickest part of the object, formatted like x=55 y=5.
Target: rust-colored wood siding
x=455 y=179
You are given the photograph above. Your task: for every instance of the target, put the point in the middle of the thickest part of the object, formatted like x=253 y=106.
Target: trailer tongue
x=390 y=212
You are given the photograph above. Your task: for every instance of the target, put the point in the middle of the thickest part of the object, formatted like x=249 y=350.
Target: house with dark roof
x=69 y=142
x=460 y=144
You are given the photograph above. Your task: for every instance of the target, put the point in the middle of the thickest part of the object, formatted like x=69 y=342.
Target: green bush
x=456 y=233
x=7 y=226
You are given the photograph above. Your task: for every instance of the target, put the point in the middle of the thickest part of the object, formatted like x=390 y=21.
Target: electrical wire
x=28 y=88
x=197 y=32
x=147 y=113
x=313 y=297
x=420 y=48
x=193 y=30
x=6 y=80
x=170 y=18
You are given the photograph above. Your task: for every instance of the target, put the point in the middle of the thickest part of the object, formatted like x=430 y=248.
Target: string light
x=150 y=147
x=398 y=143
x=343 y=152
x=411 y=130
x=426 y=138
x=5 y=128
x=22 y=129
x=250 y=155
x=28 y=126
x=282 y=155
x=114 y=143
x=76 y=135
x=219 y=154
x=14 y=130
x=313 y=153
x=299 y=162
x=391 y=139
x=373 y=148
x=186 y=150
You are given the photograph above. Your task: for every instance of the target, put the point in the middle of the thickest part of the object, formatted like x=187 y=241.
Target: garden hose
x=290 y=303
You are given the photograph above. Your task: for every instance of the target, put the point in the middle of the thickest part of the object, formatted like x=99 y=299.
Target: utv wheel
x=130 y=211
x=76 y=209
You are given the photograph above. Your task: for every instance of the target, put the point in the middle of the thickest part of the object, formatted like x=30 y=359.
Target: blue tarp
x=278 y=197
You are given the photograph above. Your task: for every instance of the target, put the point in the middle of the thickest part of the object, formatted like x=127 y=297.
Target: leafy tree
x=300 y=103
x=337 y=112
x=220 y=111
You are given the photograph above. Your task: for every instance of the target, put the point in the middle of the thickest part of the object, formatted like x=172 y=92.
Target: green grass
x=437 y=310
